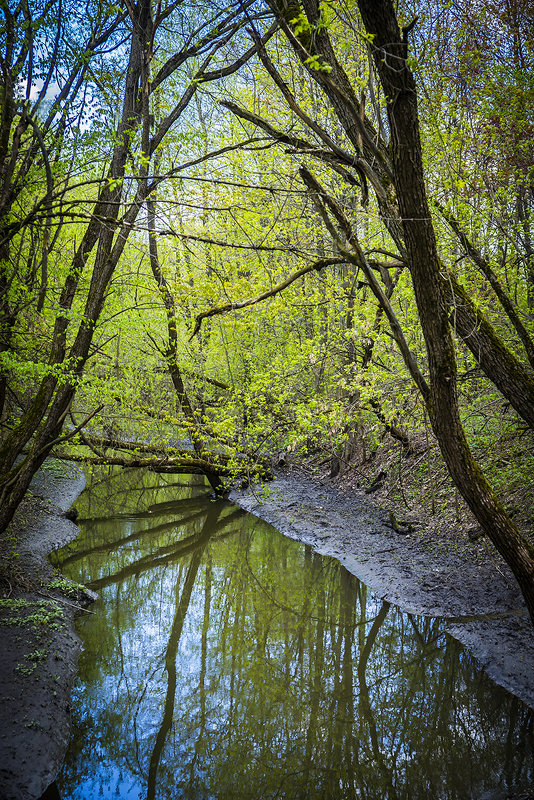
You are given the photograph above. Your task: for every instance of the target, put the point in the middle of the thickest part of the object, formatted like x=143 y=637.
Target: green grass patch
x=65 y=586
x=35 y=614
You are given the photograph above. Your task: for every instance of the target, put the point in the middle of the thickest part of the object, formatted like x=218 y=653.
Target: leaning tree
x=55 y=60
x=385 y=158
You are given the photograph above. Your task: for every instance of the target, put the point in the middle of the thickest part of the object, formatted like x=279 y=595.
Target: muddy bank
x=465 y=582
x=39 y=652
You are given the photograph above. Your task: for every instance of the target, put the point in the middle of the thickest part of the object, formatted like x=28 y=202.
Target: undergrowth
x=415 y=484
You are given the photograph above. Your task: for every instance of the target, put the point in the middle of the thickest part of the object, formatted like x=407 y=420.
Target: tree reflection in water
x=226 y=661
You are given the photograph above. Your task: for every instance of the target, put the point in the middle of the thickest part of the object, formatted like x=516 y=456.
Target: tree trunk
x=47 y=412
x=390 y=52
x=172 y=347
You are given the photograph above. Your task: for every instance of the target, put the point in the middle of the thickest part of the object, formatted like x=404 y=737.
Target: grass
x=35 y=658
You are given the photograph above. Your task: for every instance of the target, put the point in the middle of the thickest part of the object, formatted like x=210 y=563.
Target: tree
x=390 y=51
x=394 y=170
x=38 y=138
x=120 y=194
x=370 y=161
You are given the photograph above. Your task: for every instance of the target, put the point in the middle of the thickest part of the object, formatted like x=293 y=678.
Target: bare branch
x=212 y=312
x=484 y=266
x=78 y=428
x=223 y=72
x=304 y=147
x=220 y=243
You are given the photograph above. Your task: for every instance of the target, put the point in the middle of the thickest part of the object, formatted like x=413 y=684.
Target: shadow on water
x=225 y=661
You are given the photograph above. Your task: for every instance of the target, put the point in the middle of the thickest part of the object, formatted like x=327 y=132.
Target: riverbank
x=39 y=653
x=461 y=580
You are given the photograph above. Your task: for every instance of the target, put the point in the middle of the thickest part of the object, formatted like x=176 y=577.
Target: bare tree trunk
x=390 y=51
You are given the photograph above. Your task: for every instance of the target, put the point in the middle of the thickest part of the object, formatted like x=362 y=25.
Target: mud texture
x=39 y=648
x=465 y=582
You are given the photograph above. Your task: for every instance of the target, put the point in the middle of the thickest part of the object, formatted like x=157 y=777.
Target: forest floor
x=433 y=564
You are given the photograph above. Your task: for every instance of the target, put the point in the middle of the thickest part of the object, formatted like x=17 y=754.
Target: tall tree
x=390 y=51
x=394 y=170
x=367 y=162
x=127 y=183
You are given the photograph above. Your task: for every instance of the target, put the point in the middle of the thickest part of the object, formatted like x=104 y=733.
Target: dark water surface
x=225 y=661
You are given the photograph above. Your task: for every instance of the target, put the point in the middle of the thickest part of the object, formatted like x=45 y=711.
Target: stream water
x=223 y=661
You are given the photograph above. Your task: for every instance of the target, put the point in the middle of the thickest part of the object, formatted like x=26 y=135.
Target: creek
x=224 y=661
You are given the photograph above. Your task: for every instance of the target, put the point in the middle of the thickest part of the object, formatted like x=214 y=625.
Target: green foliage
x=292 y=374
x=35 y=658
x=65 y=586
x=301 y=24
x=31 y=613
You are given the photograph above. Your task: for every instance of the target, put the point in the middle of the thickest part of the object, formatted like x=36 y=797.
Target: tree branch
x=322 y=202
x=212 y=312
x=478 y=259
x=304 y=147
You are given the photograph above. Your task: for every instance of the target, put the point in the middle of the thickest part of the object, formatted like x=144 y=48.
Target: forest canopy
x=234 y=231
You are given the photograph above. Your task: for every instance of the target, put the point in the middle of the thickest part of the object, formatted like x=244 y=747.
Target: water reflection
x=225 y=661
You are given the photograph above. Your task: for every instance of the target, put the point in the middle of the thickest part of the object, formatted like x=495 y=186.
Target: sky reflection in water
x=225 y=661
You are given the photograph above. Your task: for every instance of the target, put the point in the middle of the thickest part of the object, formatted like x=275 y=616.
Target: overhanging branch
x=212 y=312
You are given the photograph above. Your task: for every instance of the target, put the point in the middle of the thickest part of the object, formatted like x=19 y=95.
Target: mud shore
x=40 y=649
